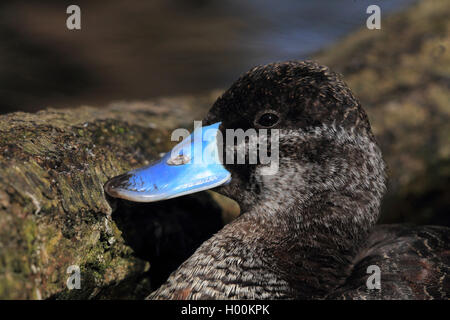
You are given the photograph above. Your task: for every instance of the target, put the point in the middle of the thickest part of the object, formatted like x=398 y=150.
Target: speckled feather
x=307 y=231
x=414 y=262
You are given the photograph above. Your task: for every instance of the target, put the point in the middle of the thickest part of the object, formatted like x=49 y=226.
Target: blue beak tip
x=114 y=185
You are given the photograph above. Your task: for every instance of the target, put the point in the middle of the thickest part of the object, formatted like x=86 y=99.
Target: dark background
x=141 y=49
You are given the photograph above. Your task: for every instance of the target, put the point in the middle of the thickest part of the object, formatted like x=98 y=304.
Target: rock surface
x=401 y=74
x=53 y=212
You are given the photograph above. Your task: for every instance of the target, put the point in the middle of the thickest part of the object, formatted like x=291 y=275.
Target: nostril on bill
x=178 y=160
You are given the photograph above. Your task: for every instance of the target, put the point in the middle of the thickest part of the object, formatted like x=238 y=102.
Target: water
x=130 y=50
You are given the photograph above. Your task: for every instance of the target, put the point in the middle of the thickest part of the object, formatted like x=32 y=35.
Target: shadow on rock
x=166 y=233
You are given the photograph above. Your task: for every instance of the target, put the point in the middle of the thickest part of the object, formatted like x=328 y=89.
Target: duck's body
x=414 y=264
x=409 y=270
x=306 y=232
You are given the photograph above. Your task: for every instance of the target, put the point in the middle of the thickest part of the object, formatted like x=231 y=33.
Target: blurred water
x=138 y=49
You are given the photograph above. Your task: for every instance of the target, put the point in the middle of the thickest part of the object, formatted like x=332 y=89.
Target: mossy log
x=53 y=211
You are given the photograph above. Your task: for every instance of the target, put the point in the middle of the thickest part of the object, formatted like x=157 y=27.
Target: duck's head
x=324 y=148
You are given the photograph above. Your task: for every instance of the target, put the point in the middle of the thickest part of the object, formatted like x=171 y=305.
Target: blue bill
x=193 y=165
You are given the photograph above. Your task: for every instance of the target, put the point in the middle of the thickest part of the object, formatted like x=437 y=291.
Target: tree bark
x=53 y=211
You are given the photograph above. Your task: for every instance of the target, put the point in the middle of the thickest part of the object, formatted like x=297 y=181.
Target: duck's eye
x=268 y=119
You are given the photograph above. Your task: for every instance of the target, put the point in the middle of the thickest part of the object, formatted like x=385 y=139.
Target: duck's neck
x=275 y=251
x=310 y=246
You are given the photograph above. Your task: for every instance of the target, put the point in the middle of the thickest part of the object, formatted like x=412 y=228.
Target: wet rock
x=401 y=74
x=53 y=211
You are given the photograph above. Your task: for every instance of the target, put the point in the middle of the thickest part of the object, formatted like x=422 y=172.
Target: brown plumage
x=309 y=232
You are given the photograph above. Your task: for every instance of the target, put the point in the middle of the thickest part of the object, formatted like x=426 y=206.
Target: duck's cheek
x=192 y=166
x=228 y=189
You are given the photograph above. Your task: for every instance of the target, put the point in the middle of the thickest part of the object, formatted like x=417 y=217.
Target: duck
x=307 y=230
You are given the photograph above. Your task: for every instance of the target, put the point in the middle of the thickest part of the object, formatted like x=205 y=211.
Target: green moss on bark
x=53 y=212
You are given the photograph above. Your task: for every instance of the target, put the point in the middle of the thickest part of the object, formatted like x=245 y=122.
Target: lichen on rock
x=53 y=211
